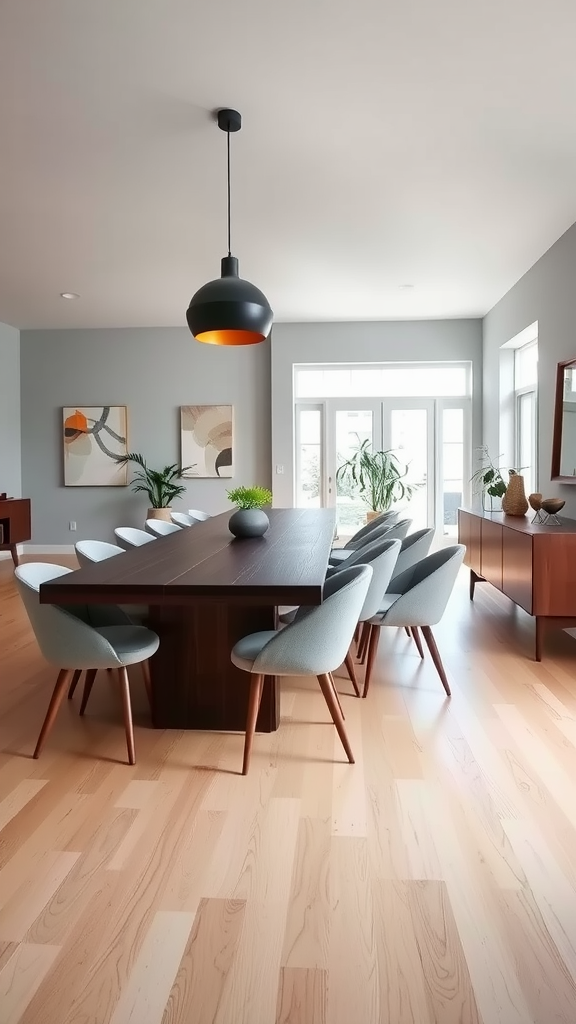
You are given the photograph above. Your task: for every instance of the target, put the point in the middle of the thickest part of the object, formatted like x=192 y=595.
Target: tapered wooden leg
x=254 y=698
x=364 y=641
x=336 y=695
x=147 y=682
x=349 y=662
x=357 y=633
x=406 y=630
x=127 y=712
x=429 y=638
x=74 y=683
x=88 y=684
x=332 y=702
x=539 y=637
x=372 y=649
x=417 y=640
x=62 y=683
x=14 y=553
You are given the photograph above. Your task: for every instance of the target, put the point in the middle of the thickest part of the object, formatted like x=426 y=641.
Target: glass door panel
x=452 y=469
x=351 y=428
x=309 y=457
x=409 y=432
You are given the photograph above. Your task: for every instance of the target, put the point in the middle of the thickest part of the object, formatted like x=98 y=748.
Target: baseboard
x=47 y=549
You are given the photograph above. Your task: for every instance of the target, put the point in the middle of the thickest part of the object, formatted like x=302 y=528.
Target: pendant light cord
x=228 y=148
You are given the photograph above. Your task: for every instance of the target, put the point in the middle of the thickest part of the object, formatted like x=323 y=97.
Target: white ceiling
x=384 y=144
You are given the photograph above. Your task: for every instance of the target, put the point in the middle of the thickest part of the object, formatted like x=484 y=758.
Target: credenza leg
x=539 y=637
x=473 y=579
x=14 y=553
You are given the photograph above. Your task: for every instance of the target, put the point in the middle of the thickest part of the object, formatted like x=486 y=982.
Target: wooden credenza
x=15 y=524
x=533 y=564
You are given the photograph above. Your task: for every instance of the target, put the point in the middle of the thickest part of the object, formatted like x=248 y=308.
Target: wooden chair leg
x=127 y=712
x=254 y=698
x=349 y=662
x=364 y=641
x=332 y=680
x=332 y=702
x=372 y=650
x=147 y=682
x=74 y=683
x=357 y=633
x=417 y=640
x=407 y=630
x=429 y=638
x=88 y=684
x=62 y=683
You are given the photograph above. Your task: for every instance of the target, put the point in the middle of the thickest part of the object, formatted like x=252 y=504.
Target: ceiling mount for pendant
x=229 y=310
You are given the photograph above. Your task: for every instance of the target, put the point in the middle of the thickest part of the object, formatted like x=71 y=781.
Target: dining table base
x=194 y=683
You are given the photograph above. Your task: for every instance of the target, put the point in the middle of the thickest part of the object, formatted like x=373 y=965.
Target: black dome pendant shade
x=229 y=310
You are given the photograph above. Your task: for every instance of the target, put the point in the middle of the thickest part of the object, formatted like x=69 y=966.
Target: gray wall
x=10 y=458
x=153 y=372
x=546 y=293
x=377 y=341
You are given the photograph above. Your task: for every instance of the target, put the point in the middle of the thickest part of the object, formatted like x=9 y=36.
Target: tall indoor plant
x=378 y=477
x=158 y=484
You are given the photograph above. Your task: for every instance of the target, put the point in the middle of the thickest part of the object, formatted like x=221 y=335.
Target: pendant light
x=229 y=311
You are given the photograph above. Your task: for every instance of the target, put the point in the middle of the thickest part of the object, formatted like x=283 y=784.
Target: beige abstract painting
x=206 y=438
x=92 y=438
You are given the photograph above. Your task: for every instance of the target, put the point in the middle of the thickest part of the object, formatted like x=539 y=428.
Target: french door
x=430 y=438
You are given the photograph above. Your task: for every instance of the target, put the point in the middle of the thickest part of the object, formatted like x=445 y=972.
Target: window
x=525 y=412
x=393 y=380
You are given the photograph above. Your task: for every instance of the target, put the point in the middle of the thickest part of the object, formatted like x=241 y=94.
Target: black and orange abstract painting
x=94 y=436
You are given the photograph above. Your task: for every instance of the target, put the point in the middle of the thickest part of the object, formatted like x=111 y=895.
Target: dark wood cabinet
x=531 y=563
x=14 y=524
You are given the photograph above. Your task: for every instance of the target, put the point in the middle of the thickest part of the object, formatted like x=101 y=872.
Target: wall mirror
x=564 y=439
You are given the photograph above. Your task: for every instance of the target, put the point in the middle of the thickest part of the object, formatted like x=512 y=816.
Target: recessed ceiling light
x=69 y=295
x=406 y=287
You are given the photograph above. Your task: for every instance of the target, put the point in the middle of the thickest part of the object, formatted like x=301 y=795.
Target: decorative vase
x=371 y=515
x=248 y=522
x=160 y=513
x=515 y=502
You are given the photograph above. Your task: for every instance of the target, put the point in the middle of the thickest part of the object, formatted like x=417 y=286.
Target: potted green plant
x=489 y=480
x=249 y=520
x=159 y=485
x=378 y=478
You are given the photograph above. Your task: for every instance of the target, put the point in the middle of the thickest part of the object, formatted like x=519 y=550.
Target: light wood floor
x=434 y=881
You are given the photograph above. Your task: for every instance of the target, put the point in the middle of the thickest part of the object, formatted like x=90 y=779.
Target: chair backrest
x=197 y=514
x=414 y=547
x=90 y=551
x=425 y=588
x=161 y=527
x=183 y=519
x=318 y=639
x=384 y=517
x=381 y=555
x=65 y=636
x=398 y=530
x=132 y=537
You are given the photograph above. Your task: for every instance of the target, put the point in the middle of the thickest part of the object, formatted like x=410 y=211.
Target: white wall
x=153 y=372
x=377 y=341
x=546 y=293
x=10 y=457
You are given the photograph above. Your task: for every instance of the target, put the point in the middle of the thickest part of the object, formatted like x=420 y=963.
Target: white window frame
x=519 y=393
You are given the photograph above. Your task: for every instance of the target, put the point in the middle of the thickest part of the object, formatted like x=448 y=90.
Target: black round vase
x=248 y=522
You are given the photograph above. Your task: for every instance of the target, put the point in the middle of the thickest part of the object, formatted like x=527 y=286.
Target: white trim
x=525 y=337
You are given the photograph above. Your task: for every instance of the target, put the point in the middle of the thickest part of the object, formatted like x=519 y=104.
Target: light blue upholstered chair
x=414 y=547
x=392 y=531
x=184 y=519
x=133 y=538
x=90 y=551
x=83 y=637
x=197 y=514
x=419 y=601
x=362 y=534
x=161 y=528
x=314 y=644
x=381 y=556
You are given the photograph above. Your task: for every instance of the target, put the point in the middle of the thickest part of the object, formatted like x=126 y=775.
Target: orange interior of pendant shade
x=230 y=337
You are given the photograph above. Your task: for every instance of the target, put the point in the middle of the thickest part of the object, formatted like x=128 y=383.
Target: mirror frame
x=557 y=435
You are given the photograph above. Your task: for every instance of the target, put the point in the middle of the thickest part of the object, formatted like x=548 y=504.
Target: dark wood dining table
x=205 y=590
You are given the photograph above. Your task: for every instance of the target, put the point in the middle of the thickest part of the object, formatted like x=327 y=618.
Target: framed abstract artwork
x=206 y=440
x=92 y=438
